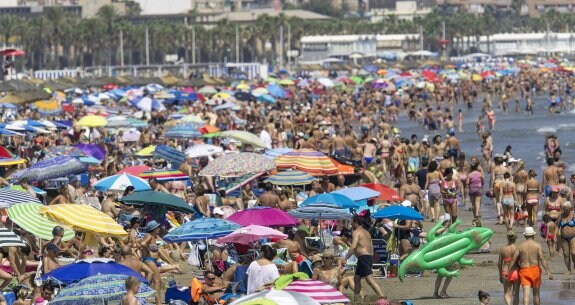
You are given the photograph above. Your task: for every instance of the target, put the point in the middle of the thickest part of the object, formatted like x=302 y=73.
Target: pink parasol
x=250 y=234
x=263 y=216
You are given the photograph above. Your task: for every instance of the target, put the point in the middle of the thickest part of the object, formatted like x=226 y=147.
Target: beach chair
x=380 y=256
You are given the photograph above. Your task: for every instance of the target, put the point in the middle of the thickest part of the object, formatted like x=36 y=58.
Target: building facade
x=507 y=44
x=315 y=49
x=537 y=7
x=404 y=10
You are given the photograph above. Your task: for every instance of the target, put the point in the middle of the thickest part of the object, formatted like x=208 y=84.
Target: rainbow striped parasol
x=307 y=160
x=165 y=175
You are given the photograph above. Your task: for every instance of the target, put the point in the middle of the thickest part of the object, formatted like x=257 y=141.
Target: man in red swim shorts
x=530 y=257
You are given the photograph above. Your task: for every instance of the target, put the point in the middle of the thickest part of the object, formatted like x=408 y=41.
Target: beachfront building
x=321 y=49
x=476 y=6
x=537 y=7
x=523 y=43
x=403 y=10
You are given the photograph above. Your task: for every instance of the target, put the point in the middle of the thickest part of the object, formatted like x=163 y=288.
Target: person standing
x=510 y=281
x=132 y=288
x=362 y=248
x=530 y=257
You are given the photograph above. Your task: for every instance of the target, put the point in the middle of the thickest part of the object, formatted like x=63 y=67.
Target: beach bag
x=194 y=257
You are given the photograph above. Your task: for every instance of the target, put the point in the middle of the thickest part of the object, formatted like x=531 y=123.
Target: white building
x=173 y=7
x=524 y=43
x=404 y=10
x=315 y=49
x=8 y=3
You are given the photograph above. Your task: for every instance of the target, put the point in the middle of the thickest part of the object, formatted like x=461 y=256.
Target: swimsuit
x=511 y=276
x=368 y=159
x=364 y=264
x=453 y=152
x=449 y=197
x=532 y=201
x=475 y=185
x=151 y=259
x=530 y=276
x=434 y=189
x=571 y=224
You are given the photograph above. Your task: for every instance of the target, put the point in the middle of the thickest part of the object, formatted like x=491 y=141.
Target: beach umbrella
x=5 y=153
x=11 y=161
x=89 y=160
x=276 y=152
x=19 y=188
x=357 y=193
x=192 y=118
x=250 y=234
x=287 y=82
x=93 y=150
x=244 y=137
x=322 y=211
x=170 y=154
x=120 y=182
x=165 y=175
x=291 y=177
x=146 y=151
x=184 y=132
x=100 y=288
x=307 y=160
x=53 y=168
x=131 y=135
x=10 y=239
x=27 y=216
x=201 y=229
x=398 y=212
x=86 y=268
x=357 y=79
x=6 y=132
x=263 y=216
x=92 y=121
x=276 y=91
x=317 y=290
x=276 y=297
x=266 y=98
x=243 y=86
x=65 y=150
x=203 y=150
x=208 y=90
x=227 y=105
x=260 y=91
x=243 y=96
x=84 y=218
x=331 y=198
x=135 y=170
x=235 y=165
x=148 y=104
x=385 y=192
x=160 y=199
x=118 y=121
x=47 y=107
x=325 y=82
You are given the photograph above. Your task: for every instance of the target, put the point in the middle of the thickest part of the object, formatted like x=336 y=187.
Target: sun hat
x=529 y=231
x=40 y=301
x=315 y=258
x=218 y=211
x=406 y=203
x=152 y=225
x=328 y=253
x=555 y=189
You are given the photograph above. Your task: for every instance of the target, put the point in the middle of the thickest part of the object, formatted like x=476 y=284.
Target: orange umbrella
x=208 y=129
x=382 y=72
x=343 y=169
x=386 y=193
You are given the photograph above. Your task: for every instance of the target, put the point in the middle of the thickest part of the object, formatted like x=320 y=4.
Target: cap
x=328 y=253
x=444 y=217
x=406 y=203
x=218 y=211
x=529 y=231
x=303 y=228
x=152 y=225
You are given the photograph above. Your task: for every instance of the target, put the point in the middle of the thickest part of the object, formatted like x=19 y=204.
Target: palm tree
x=56 y=20
x=9 y=26
x=108 y=14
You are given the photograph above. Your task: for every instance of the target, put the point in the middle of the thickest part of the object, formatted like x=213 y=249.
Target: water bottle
x=394 y=263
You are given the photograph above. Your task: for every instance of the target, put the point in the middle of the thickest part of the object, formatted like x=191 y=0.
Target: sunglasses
x=211 y=278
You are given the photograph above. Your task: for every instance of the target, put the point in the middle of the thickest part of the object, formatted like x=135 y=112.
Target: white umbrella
x=203 y=150
x=325 y=81
x=78 y=101
x=131 y=135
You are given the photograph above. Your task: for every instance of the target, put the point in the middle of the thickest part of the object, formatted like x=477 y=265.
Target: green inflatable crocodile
x=443 y=251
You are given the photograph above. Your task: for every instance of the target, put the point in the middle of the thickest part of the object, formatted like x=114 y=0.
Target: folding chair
x=380 y=256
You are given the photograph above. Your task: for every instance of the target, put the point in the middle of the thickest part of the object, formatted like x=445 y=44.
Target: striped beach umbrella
x=307 y=160
x=291 y=177
x=236 y=165
x=10 y=197
x=165 y=175
x=276 y=297
x=317 y=290
x=170 y=154
x=276 y=152
x=10 y=239
x=84 y=218
x=121 y=182
x=27 y=216
x=57 y=167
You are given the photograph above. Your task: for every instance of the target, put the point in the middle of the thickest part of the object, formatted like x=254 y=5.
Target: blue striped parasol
x=291 y=177
x=321 y=211
x=57 y=167
x=172 y=155
x=200 y=229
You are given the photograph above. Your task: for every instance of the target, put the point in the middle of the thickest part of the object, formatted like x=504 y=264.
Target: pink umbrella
x=249 y=234
x=319 y=291
x=263 y=216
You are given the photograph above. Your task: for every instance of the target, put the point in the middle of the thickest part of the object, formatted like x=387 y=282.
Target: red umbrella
x=109 y=86
x=12 y=52
x=135 y=170
x=386 y=193
x=4 y=153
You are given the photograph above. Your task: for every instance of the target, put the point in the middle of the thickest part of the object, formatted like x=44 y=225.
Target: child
x=483 y=297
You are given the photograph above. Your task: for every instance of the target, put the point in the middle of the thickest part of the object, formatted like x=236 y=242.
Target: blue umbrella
x=200 y=229
x=276 y=91
x=291 y=177
x=88 y=267
x=121 y=182
x=170 y=154
x=227 y=105
x=97 y=288
x=6 y=132
x=184 y=132
x=357 y=193
x=266 y=98
x=331 y=198
x=8 y=106
x=398 y=212
x=57 y=167
x=276 y=152
x=321 y=211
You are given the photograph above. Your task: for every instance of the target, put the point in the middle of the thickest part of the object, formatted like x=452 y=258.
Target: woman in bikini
x=567 y=227
x=509 y=280
x=520 y=179
x=475 y=182
x=463 y=171
x=552 y=212
x=433 y=187
x=508 y=199
x=496 y=179
x=533 y=189
x=449 y=191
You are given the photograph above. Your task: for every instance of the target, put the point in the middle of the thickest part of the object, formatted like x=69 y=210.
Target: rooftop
x=251 y=15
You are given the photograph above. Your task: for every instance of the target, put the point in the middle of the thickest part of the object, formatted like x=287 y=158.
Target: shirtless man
x=413 y=154
x=340 y=182
x=362 y=248
x=550 y=176
x=156 y=186
x=369 y=152
x=109 y=206
x=50 y=260
x=327 y=186
x=530 y=257
x=295 y=252
x=438 y=148
x=396 y=165
x=412 y=192
x=452 y=146
x=269 y=198
x=339 y=147
x=134 y=263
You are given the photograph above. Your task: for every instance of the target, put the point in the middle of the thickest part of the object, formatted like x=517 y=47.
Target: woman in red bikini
x=552 y=212
x=533 y=189
x=509 y=280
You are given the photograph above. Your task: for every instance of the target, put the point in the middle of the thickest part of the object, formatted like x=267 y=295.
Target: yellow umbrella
x=287 y=82
x=92 y=121
x=84 y=218
x=260 y=90
x=192 y=118
x=12 y=161
x=476 y=77
x=146 y=152
x=243 y=86
x=222 y=95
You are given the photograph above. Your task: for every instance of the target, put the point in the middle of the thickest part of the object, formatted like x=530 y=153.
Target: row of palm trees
x=57 y=40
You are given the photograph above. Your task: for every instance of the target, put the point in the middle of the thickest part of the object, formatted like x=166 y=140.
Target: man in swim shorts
x=530 y=257
x=362 y=248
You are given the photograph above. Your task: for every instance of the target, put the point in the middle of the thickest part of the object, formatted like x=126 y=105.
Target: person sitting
x=237 y=273
x=214 y=289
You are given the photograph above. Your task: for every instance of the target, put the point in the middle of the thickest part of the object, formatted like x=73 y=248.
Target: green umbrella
x=211 y=135
x=167 y=201
x=28 y=217
x=356 y=79
x=244 y=137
